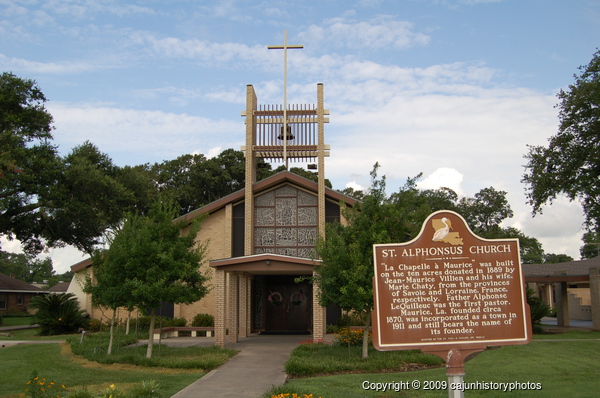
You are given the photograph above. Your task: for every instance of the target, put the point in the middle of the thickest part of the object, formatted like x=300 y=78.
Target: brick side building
x=15 y=294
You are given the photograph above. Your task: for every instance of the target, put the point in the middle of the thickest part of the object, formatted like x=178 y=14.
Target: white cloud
x=444 y=177
x=376 y=33
x=141 y=134
x=34 y=67
x=355 y=186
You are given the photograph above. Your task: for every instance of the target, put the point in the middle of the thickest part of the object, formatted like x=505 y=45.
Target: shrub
x=538 y=310
x=145 y=389
x=203 y=320
x=81 y=393
x=58 y=314
x=351 y=319
x=94 y=325
x=143 y=322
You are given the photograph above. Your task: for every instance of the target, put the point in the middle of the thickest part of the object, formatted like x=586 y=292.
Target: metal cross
x=285 y=48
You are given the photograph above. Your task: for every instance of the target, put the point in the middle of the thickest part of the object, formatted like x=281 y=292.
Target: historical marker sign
x=449 y=289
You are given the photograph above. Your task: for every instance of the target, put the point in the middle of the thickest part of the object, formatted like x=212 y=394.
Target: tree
x=106 y=288
x=346 y=251
x=47 y=200
x=486 y=210
x=150 y=262
x=194 y=181
x=570 y=164
x=26 y=268
x=552 y=258
x=28 y=160
x=591 y=245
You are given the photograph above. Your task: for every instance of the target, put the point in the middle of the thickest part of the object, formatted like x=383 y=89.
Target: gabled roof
x=81 y=265
x=279 y=178
x=11 y=285
x=60 y=287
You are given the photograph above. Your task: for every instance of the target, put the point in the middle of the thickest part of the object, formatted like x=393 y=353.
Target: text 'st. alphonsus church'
x=262 y=238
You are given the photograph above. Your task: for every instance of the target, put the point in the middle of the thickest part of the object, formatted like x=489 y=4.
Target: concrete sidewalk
x=254 y=370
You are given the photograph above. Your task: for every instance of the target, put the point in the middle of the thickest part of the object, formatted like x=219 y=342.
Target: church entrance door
x=288 y=305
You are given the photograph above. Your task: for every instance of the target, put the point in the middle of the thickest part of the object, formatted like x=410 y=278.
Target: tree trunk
x=151 y=334
x=112 y=333
x=128 y=322
x=365 y=348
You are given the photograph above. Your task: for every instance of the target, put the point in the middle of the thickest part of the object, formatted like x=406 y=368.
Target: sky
x=453 y=89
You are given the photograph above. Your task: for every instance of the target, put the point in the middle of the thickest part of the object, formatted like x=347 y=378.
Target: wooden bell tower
x=265 y=138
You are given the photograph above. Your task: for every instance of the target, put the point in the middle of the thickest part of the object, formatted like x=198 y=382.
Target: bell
x=289 y=136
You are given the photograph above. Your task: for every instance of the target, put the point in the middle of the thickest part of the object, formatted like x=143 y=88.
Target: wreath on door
x=296 y=298
x=275 y=298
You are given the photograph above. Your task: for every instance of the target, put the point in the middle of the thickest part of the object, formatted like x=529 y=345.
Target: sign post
x=450 y=293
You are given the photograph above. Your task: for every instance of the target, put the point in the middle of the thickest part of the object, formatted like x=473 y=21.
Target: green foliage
x=40 y=387
x=538 y=310
x=320 y=358
x=552 y=258
x=194 y=181
x=81 y=393
x=351 y=319
x=47 y=200
x=95 y=347
x=57 y=314
x=591 y=245
x=143 y=322
x=347 y=336
x=569 y=164
x=150 y=261
x=153 y=262
x=145 y=389
x=203 y=320
x=25 y=267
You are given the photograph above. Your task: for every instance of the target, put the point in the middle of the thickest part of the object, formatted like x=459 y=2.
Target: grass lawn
x=564 y=369
x=172 y=368
x=29 y=334
x=16 y=321
x=56 y=363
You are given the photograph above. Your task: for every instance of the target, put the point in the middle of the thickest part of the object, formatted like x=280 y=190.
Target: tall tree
x=150 y=262
x=570 y=164
x=106 y=287
x=26 y=268
x=486 y=210
x=28 y=161
x=346 y=251
x=591 y=245
x=47 y=200
x=552 y=258
x=194 y=180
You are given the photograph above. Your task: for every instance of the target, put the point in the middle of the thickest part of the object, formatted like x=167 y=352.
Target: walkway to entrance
x=254 y=370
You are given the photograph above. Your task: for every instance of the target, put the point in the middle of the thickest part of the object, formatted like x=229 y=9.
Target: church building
x=261 y=240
